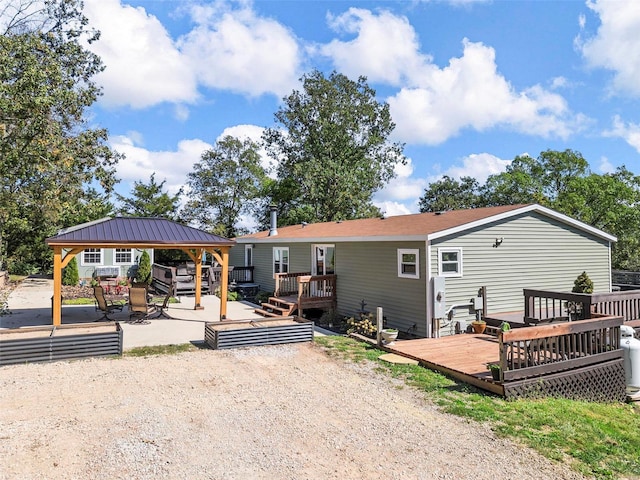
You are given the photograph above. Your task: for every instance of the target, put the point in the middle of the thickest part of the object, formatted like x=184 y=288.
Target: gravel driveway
x=280 y=412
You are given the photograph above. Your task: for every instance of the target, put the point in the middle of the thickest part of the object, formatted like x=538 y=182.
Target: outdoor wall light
x=498 y=242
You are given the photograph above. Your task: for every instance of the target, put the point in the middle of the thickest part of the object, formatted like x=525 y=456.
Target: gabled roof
x=419 y=226
x=140 y=231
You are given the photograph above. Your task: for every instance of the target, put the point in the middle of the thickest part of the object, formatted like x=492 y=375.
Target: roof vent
x=304 y=224
x=441 y=212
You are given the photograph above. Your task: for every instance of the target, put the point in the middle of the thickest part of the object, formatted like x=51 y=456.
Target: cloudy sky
x=471 y=84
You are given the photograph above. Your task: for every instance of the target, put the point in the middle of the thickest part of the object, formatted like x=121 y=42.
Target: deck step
x=269 y=306
x=280 y=301
x=266 y=313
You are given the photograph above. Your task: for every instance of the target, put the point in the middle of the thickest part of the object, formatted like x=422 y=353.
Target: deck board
x=463 y=357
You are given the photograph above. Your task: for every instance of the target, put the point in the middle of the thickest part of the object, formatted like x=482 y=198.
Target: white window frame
x=401 y=262
x=441 y=252
x=248 y=255
x=273 y=259
x=115 y=256
x=314 y=260
x=99 y=251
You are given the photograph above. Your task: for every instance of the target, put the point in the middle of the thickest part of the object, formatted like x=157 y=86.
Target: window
x=450 y=262
x=280 y=259
x=248 y=255
x=92 y=256
x=124 y=255
x=408 y=263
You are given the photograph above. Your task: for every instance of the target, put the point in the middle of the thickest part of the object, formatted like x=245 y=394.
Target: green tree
x=50 y=157
x=450 y=194
x=226 y=183
x=150 y=200
x=70 y=275
x=332 y=148
x=143 y=273
x=582 y=284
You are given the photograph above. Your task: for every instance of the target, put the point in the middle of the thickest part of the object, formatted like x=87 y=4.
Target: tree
x=450 y=194
x=70 y=275
x=582 y=284
x=331 y=145
x=226 y=183
x=50 y=158
x=149 y=200
x=143 y=273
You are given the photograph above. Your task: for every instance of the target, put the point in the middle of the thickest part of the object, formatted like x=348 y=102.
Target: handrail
x=287 y=283
x=316 y=291
x=534 y=351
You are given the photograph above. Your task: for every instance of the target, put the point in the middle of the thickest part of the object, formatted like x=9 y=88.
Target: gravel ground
x=280 y=412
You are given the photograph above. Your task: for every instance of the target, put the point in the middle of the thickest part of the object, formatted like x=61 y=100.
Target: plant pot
x=495 y=373
x=478 y=327
x=388 y=336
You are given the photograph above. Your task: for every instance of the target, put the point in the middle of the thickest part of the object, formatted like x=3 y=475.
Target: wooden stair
x=277 y=307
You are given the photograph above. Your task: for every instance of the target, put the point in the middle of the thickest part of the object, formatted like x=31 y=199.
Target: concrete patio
x=30 y=305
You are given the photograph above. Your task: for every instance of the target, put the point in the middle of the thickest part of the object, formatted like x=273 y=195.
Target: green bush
x=70 y=274
x=364 y=325
x=583 y=284
x=143 y=274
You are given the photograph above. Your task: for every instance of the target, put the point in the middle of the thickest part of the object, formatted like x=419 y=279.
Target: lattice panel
x=599 y=383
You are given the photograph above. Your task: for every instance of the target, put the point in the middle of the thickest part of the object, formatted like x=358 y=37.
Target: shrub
x=364 y=325
x=143 y=274
x=583 y=284
x=70 y=274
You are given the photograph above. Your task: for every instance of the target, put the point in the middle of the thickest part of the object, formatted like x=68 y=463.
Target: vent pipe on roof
x=273 y=221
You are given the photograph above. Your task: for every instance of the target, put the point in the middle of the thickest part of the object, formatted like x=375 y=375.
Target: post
x=56 y=305
x=379 y=320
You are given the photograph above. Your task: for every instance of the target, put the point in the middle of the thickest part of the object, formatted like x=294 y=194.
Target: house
x=426 y=270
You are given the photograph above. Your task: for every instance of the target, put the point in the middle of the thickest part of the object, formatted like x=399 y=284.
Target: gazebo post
x=224 y=282
x=56 y=305
x=198 y=262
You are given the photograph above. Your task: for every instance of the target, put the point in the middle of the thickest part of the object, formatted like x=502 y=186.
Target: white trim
x=248 y=247
x=91 y=264
x=115 y=256
x=408 y=251
x=457 y=250
x=314 y=260
x=273 y=259
x=428 y=292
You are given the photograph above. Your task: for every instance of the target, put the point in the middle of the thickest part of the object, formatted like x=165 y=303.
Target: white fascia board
x=528 y=208
x=386 y=238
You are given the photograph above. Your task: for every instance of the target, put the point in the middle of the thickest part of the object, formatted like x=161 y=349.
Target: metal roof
x=136 y=231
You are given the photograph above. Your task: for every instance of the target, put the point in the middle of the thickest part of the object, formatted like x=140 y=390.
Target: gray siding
x=108 y=260
x=369 y=271
x=536 y=252
x=299 y=261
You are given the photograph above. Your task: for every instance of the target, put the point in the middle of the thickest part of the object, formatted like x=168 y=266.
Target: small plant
x=363 y=326
x=263 y=297
x=70 y=274
x=582 y=284
x=143 y=274
x=495 y=370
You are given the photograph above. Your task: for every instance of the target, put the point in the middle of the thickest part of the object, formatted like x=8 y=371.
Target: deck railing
x=241 y=274
x=287 y=283
x=543 y=305
x=547 y=349
x=316 y=291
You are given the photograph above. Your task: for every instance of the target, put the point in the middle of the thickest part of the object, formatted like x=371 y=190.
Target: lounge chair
x=104 y=305
x=139 y=308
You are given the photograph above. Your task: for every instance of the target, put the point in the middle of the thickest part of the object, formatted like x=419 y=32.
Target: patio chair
x=162 y=307
x=139 y=308
x=104 y=305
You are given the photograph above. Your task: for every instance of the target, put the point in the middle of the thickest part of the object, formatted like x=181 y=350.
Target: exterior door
x=323 y=260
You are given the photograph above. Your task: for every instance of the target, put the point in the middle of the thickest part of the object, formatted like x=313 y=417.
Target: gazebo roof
x=142 y=231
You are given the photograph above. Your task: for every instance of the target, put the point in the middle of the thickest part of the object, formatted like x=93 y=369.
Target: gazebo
x=139 y=232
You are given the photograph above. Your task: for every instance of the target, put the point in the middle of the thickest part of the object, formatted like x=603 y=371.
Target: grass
x=596 y=439
x=159 y=350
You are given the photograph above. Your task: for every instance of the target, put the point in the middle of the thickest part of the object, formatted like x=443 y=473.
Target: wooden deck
x=463 y=357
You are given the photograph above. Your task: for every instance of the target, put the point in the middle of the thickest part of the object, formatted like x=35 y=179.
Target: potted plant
x=495 y=370
x=389 y=335
x=478 y=326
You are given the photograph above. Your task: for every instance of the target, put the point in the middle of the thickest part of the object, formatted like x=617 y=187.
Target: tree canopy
x=52 y=162
x=226 y=184
x=150 y=200
x=332 y=149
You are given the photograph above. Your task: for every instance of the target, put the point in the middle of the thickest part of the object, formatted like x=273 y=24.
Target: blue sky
x=471 y=84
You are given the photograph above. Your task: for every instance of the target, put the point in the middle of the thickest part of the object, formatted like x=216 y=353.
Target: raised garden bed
x=254 y=332
x=49 y=343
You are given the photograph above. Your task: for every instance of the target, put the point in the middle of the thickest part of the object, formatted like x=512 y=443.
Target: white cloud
x=437 y=103
x=605 y=166
x=392 y=209
x=629 y=132
x=478 y=166
x=229 y=49
x=239 y=51
x=401 y=194
x=143 y=65
x=172 y=166
x=616 y=45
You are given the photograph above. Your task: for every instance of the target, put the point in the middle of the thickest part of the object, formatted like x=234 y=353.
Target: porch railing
x=241 y=274
x=287 y=283
x=543 y=305
x=548 y=349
